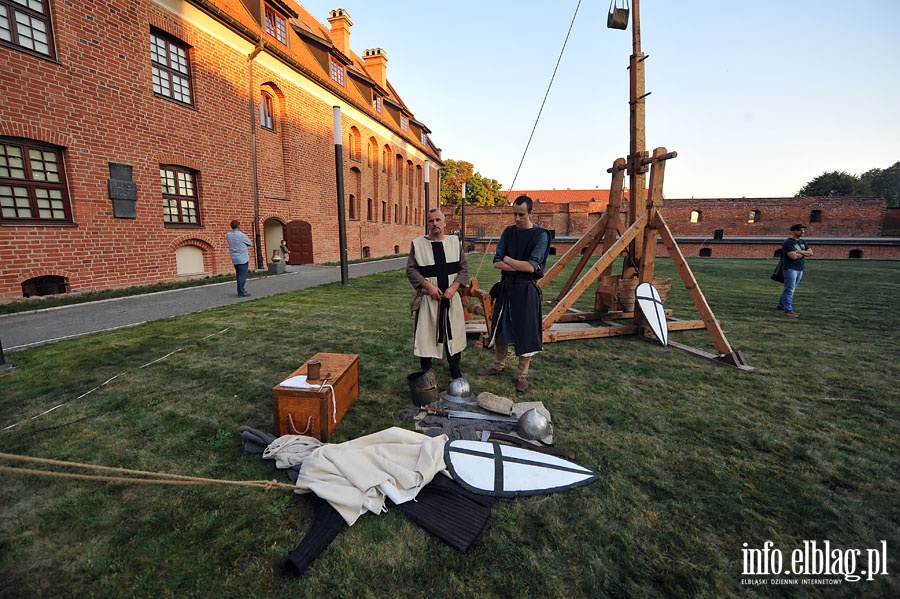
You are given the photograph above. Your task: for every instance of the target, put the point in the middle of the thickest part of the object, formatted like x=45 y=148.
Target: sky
x=756 y=98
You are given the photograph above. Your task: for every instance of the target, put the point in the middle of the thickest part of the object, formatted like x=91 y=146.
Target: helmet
x=534 y=425
x=459 y=388
x=423 y=387
x=459 y=391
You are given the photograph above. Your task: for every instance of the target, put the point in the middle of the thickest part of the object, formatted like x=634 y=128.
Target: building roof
x=310 y=41
x=563 y=196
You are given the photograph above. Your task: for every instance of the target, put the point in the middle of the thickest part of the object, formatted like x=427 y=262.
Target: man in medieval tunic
x=437 y=268
x=521 y=256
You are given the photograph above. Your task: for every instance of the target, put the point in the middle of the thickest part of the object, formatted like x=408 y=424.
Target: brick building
x=133 y=131
x=838 y=227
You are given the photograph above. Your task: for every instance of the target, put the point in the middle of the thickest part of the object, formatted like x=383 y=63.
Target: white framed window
x=266 y=111
x=171 y=71
x=25 y=24
x=337 y=72
x=181 y=206
x=276 y=26
x=32 y=182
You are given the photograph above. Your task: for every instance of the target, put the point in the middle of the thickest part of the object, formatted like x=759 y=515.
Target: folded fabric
x=290 y=450
x=358 y=475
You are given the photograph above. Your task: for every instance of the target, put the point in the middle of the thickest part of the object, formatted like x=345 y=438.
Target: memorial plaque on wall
x=122 y=190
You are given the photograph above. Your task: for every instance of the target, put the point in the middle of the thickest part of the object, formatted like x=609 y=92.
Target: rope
x=556 y=68
x=162 y=478
x=536 y=120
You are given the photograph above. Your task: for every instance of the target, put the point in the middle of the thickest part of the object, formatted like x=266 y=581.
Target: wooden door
x=299 y=240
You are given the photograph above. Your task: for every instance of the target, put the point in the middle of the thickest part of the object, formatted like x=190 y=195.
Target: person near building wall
x=238 y=242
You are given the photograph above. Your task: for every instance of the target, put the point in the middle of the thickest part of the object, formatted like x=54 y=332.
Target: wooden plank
x=590 y=238
x=724 y=360
x=686 y=325
x=558 y=334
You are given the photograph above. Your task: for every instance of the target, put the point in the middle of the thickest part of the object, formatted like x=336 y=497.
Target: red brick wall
x=96 y=101
x=840 y=217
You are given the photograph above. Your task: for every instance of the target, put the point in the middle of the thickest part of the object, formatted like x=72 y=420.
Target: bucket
x=625 y=293
x=664 y=287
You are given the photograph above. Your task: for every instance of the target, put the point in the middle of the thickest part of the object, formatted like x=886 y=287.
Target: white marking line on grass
x=107 y=381
x=55 y=339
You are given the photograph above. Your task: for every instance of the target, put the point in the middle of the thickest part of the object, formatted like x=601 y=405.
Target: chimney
x=340 y=29
x=376 y=65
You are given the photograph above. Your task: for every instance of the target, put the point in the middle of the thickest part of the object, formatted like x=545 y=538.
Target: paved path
x=26 y=329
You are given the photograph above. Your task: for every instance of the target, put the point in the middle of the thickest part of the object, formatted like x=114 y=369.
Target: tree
x=835 y=183
x=453 y=175
x=885 y=183
x=480 y=190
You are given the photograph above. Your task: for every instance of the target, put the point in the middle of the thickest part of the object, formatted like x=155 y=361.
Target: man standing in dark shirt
x=794 y=251
x=521 y=256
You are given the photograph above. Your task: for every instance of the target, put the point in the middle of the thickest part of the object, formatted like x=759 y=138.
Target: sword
x=470 y=415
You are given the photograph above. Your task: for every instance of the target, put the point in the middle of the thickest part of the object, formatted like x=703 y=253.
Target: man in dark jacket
x=793 y=252
x=521 y=256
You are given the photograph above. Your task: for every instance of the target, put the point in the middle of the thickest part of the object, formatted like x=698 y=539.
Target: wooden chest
x=315 y=410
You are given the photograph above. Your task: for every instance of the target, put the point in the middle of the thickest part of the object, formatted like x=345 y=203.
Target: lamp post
x=339 y=173
x=4 y=367
x=427 y=184
x=462 y=210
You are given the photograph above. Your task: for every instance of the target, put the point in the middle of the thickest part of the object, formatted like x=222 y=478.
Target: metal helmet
x=534 y=425
x=423 y=387
x=459 y=392
x=459 y=388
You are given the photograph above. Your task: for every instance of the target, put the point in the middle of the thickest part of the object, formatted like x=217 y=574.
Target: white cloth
x=426 y=345
x=357 y=476
x=290 y=450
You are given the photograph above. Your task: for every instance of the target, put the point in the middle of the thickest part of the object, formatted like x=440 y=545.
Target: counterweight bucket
x=617 y=17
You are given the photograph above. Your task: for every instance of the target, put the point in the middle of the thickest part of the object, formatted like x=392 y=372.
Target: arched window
x=696 y=216
x=189 y=261
x=373 y=154
x=856 y=254
x=815 y=216
x=355 y=144
x=705 y=252
x=266 y=111
x=47 y=285
x=754 y=216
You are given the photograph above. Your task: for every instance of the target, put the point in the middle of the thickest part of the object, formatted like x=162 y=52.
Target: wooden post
x=637 y=180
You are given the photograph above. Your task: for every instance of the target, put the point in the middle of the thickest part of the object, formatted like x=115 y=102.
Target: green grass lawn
x=697 y=459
